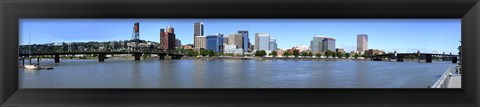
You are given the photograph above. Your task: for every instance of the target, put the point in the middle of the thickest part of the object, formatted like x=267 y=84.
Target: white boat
x=32 y=67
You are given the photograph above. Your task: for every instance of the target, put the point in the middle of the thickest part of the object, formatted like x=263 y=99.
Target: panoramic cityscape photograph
x=239 y=53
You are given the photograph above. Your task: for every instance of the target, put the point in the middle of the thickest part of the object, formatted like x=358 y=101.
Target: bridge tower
x=136 y=31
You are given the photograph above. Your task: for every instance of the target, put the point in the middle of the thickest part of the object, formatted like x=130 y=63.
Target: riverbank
x=267 y=58
x=219 y=58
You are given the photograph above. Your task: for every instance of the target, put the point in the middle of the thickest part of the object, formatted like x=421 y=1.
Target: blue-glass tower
x=215 y=42
x=245 y=39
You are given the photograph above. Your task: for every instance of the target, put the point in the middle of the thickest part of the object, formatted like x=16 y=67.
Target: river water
x=233 y=74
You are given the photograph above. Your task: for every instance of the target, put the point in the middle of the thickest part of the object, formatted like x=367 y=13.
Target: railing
x=443 y=81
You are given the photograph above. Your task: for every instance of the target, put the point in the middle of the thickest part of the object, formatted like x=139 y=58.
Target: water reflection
x=233 y=74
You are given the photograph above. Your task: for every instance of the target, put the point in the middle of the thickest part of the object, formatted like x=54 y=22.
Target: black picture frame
x=12 y=10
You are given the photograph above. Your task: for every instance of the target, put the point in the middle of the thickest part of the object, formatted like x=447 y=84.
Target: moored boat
x=32 y=67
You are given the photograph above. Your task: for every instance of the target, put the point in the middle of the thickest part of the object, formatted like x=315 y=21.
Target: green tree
x=364 y=55
x=318 y=55
x=211 y=53
x=340 y=54
x=296 y=53
x=203 y=52
x=328 y=53
x=356 y=56
x=274 y=53
x=257 y=53
x=286 y=54
x=347 y=55
x=304 y=53
x=334 y=54
x=191 y=52
x=263 y=53
x=260 y=53
x=145 y=56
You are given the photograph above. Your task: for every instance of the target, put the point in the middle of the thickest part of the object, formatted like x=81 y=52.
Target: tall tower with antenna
x=136 y=31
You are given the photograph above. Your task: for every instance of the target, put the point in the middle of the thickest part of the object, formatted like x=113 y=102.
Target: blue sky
x=402 y=35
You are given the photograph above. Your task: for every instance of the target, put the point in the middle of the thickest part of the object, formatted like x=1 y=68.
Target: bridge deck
x=66 y=53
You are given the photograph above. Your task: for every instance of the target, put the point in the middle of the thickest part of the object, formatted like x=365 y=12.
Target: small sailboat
x=33 y=67
x=30 y=65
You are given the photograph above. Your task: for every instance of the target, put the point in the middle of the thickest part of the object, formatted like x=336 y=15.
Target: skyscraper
x=245 y=39
x=316 y=45
x=362 y=43
x=225 y=41
x=273 y=44
x=170 y=29
x=329 y=44
x=263 y=40
x=167 y=39
x=215 y=42
x=197 y=31
x=235 y=39
x=178 y=43
x=136 y=31
x=201 y=42
x=257 y=42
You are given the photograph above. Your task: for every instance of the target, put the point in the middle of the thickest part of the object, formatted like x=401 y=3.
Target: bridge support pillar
x=57 y=58
x=454 y=59
x=428 y=58
x=161 y=57
x=422 y=57
x=23 y=60
x=399 y=58
x=38 y=59
x=101 y=57
x=137 y=56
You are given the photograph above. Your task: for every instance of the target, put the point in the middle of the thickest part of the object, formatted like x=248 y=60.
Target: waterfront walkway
x=455 y=81
x=452 y=78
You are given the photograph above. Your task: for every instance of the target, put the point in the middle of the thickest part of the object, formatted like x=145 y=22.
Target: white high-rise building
x=273 y=44
x=316 y=45
x=329 y=44
x=262 y=41
x=201 y=42
x=362 y=43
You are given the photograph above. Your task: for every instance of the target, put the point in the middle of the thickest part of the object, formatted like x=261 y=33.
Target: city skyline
x=442 y=35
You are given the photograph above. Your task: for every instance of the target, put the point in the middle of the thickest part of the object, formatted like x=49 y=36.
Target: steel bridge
x=102 y=55
x=427 y=57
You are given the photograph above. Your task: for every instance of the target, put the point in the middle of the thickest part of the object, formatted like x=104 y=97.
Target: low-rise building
x=371 y=52
x=232 y=49
x=340 y=50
